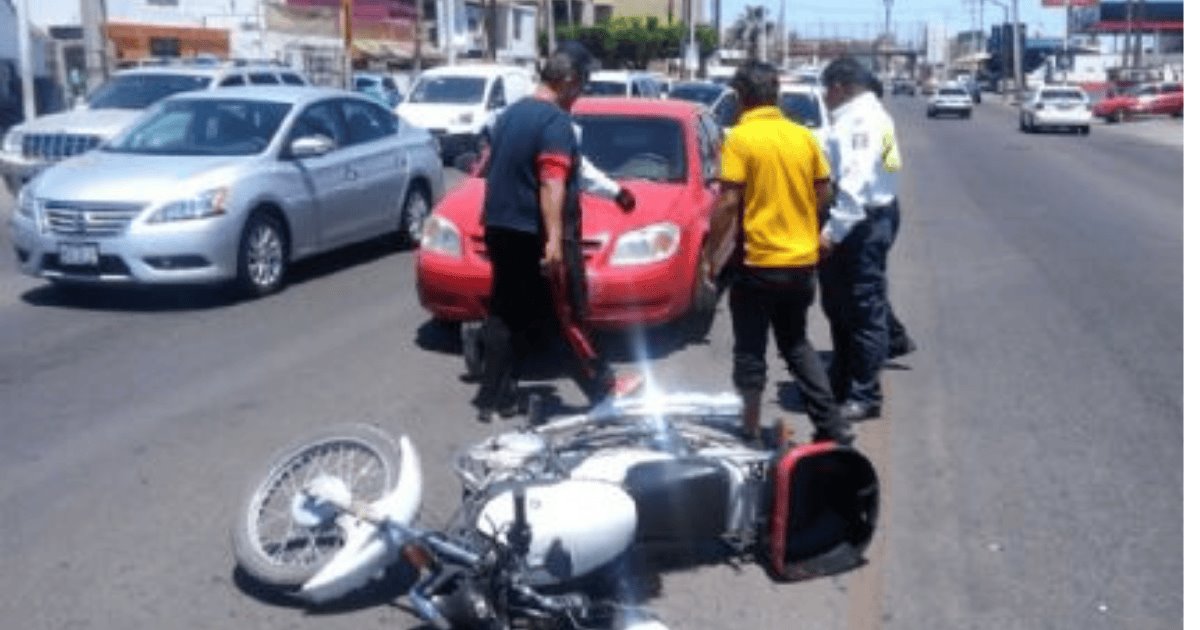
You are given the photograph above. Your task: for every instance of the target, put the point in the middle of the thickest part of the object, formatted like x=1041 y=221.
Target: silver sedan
x=235 y=184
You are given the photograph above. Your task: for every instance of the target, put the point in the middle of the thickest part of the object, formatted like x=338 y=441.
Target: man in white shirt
x=865 y=160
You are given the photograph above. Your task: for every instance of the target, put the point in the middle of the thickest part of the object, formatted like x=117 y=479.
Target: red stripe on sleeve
x=553 y=166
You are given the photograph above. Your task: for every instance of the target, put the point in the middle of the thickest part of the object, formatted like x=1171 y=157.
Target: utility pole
x=29 y=105
x=1003 y=58
x=95 y=54
x=551 y=42
x=887 y=17
x=783 y=35
x=1137 y=48
x=1018 y=48
x=570 y=12
x=1128 y=32
x=418 y=36
x=492 y=29
x=347 y=44
x=693 y=55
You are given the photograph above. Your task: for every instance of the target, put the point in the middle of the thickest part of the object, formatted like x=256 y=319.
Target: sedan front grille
x=590 y=246
x=56 y=146
x=93 y=220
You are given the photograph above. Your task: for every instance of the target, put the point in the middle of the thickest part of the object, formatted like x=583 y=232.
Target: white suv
x=457 y=104
x=1062 y=106
x=30 y=147
x=622 y=83
x=950 y=99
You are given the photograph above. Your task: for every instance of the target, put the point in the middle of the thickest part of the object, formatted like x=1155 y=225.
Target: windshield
x=801 y=108
x=704 y=94
x=634 y=148
x=454 y=90
x=139 y=91
x=604 y=88
x=204 y=127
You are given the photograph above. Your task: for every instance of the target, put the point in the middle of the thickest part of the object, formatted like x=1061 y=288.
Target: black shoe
x=841 y=434
x=486 y=415
x=855 y=411
x=901 y=347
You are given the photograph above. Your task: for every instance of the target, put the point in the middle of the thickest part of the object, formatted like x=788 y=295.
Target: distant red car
x=1156 y=98
x=643 y=267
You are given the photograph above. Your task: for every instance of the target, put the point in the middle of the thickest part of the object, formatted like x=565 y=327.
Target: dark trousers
x=854 y=298
x=520 y=300
x=778 y=300
x=897 y=334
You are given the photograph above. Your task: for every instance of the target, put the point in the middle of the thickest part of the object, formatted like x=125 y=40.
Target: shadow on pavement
x=167 y=298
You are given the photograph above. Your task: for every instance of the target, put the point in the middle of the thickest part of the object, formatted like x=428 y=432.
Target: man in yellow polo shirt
x=774 y=179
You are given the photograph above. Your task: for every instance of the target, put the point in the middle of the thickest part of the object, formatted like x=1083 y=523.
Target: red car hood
x=655 y=202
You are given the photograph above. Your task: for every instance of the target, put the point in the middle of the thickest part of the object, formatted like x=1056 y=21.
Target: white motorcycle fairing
x=576 y=525
x=369 y=548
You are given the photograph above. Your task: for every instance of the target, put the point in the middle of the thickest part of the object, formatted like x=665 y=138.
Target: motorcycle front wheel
x=283 y=535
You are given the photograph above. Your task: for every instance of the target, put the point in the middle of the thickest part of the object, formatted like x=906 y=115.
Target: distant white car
x=458 y=103
x=1056 y=106
x=31 y=147
x=950 y=99
x=803 y=103
x=622 y=83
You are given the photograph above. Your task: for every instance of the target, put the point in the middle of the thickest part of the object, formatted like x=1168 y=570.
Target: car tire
x=1122 y=115
x=413 y=213
x=1085 y=130
x=966 y=115
x=1023 y=124
x=703 y=311
x=262 y=261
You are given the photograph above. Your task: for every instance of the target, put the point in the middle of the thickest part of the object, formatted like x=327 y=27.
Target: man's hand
x=827 y=246
x=625 y=200
x=552 y=257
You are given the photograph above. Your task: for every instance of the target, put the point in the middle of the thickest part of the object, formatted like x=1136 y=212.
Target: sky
x=841 y=18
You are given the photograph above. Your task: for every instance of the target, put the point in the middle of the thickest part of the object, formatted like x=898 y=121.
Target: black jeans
x=520 y=301
x=516 y=305
x=778 y=299
x=854 y=298
x=897 y=334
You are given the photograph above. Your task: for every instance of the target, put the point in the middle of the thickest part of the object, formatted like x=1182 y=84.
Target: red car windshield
x=627 y=147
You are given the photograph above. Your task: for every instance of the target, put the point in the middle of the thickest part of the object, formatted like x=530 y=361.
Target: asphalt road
x=1031 y=450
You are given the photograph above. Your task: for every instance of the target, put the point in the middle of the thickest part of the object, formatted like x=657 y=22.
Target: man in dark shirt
x=532 y=226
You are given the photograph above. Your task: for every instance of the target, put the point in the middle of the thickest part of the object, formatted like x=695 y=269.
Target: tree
x=633 y=42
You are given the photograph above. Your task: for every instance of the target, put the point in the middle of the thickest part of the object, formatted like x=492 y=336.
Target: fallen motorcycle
x=548 y=507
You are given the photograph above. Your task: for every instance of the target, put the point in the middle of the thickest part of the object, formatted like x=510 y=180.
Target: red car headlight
x=440 y=235
x=650 y=244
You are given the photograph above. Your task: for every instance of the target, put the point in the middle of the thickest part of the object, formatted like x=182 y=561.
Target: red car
x=1155 y=98
x=644 y=266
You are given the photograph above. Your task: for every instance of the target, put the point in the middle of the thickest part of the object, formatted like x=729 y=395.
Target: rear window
x=1062 y=95
x=264 y=78
x=604 y=88
x=801 y=108
x=952 y=92
x=291 y=79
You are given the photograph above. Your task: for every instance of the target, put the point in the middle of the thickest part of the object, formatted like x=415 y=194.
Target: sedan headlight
x=650 y=244
x=440 y=235
x=210 y=203
x=12 y=141
x=27 y=204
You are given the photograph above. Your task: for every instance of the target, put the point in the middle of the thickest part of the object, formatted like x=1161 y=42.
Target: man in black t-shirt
x=532 y=225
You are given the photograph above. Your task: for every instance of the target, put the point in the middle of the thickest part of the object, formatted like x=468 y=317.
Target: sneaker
x=626 y=384
x=901 y=347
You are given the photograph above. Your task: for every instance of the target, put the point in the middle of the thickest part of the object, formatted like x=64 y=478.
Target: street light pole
x=29 y=106
x=1018 y=61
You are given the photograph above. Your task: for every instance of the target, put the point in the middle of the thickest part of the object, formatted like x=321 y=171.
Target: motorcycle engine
x=493 y=458
x=465 y=606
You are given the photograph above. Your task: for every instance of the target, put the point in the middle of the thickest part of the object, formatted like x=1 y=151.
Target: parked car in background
x=664 y=83
x=644 y=267
x=1154 y=99
x=622 y=83
x=32 y=146
x=950 y=99
x=381 y=87
x=804 y=104
x=719 y=99
x=1056 y=106
x=904 y=86
x=228 y=185
x=457 y=104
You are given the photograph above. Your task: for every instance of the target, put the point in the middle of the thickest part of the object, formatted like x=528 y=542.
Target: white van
x=457 y=103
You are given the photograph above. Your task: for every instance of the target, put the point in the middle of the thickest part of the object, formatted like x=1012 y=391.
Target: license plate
x=78 y=254
x=1066 y=107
